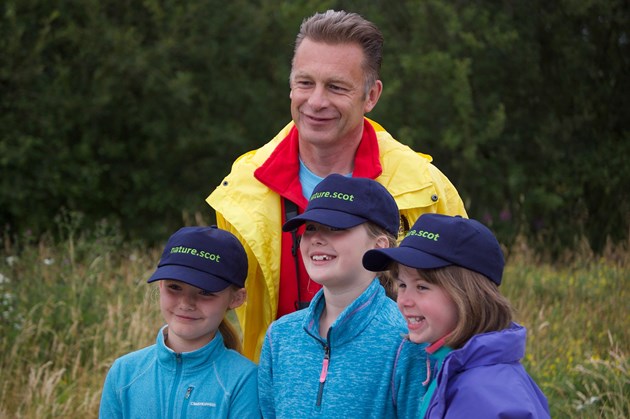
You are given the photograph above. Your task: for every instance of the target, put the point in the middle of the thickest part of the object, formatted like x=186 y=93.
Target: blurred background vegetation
x=118 y=118
x=132 y=112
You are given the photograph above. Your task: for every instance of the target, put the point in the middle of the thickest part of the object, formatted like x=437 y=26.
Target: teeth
x=414 y=320
x=321 y=257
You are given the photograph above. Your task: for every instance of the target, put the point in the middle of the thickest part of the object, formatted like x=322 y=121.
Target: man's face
x=328 y=97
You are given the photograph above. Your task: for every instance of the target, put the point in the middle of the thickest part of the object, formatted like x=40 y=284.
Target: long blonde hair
x=231 y=336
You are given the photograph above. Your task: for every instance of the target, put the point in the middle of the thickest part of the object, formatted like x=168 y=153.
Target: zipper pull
x=324 y=373
x=188 y=391
x=322 y=376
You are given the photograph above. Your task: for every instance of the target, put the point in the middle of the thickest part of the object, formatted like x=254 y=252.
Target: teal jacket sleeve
x=265 y=378
x=409 y=373
x=111 y=405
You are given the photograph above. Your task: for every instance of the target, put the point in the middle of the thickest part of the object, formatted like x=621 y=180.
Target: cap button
x=434 y=198
x=225 y=183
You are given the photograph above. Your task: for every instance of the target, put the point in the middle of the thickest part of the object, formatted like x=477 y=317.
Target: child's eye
x=311 y=228
x=174 y=287
x=206 y=293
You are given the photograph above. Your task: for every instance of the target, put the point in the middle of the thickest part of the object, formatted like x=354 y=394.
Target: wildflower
x=588 y=402
x=4 y=279
x=12 y=260
x=49 y=261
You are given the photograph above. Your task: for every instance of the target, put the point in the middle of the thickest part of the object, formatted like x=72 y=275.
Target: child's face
x=192 y=314
x=332 y=257
x=429 y=311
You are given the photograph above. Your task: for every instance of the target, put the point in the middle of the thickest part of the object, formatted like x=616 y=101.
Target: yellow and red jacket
x=248 y=203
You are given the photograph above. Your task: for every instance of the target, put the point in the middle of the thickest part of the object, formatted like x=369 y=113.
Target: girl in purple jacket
x=448 y=270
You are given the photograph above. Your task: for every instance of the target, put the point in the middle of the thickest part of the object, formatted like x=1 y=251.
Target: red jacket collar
x=280 y=171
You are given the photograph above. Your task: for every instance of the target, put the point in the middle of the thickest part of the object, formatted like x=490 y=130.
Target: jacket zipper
x=186 y=401
x=324 y=373
x=178 y=372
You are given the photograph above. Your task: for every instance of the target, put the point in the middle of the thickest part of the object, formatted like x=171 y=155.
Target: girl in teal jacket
x=336 y=357
x=189 y=372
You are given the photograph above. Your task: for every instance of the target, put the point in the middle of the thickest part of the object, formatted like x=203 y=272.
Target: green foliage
x=521 y=105
x=69 y=309
x=129 y=111
x=134 y=111
x=577 y=334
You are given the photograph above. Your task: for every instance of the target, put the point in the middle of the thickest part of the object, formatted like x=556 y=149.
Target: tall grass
x=68 y=309
x=577 y=317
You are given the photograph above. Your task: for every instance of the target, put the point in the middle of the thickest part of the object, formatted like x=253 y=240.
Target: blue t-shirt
x=309 y=180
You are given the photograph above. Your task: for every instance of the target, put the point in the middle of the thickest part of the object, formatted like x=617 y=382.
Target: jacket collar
x=280 y=171
x=200 y=358
x=352 y=321
x=501 y=347
x=505 y=346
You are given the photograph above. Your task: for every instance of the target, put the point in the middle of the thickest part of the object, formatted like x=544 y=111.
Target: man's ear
x=238 y=298
x=373 y=95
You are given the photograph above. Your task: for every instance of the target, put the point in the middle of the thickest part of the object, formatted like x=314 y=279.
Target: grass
x=68 y=309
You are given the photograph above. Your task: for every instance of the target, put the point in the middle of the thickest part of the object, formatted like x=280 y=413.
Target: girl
x=448 y=270
x=334 y=358
x=193 y=370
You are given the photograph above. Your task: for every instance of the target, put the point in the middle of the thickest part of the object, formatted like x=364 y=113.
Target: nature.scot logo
x=196 y=252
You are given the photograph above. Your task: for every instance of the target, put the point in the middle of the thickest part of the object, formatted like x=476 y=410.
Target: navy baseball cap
x=205 y=257
x=344 y=202
x=438 y=240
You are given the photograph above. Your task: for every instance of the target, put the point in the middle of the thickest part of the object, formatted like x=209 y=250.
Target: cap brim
x=327 y=217
x=377 y=260
x=199 y=279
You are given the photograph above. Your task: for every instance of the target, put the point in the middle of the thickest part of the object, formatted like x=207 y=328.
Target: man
x=334 y=82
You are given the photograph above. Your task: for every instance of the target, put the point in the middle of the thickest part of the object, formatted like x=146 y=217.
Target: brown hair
x=231 y=337
x=386 y=277
x=340 y=27
x=480 y=306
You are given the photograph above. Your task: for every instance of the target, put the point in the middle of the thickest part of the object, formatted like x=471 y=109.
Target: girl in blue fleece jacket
x=448 y=270
x=335 y=358
x=190 y=372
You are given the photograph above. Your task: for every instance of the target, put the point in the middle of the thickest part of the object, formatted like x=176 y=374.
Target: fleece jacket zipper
x=176 y=380
x=323 y=375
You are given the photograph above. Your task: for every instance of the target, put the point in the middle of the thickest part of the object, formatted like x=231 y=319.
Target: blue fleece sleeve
x=408 y=375
x=245 y=398
x=111 y=405
x=265 y=378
